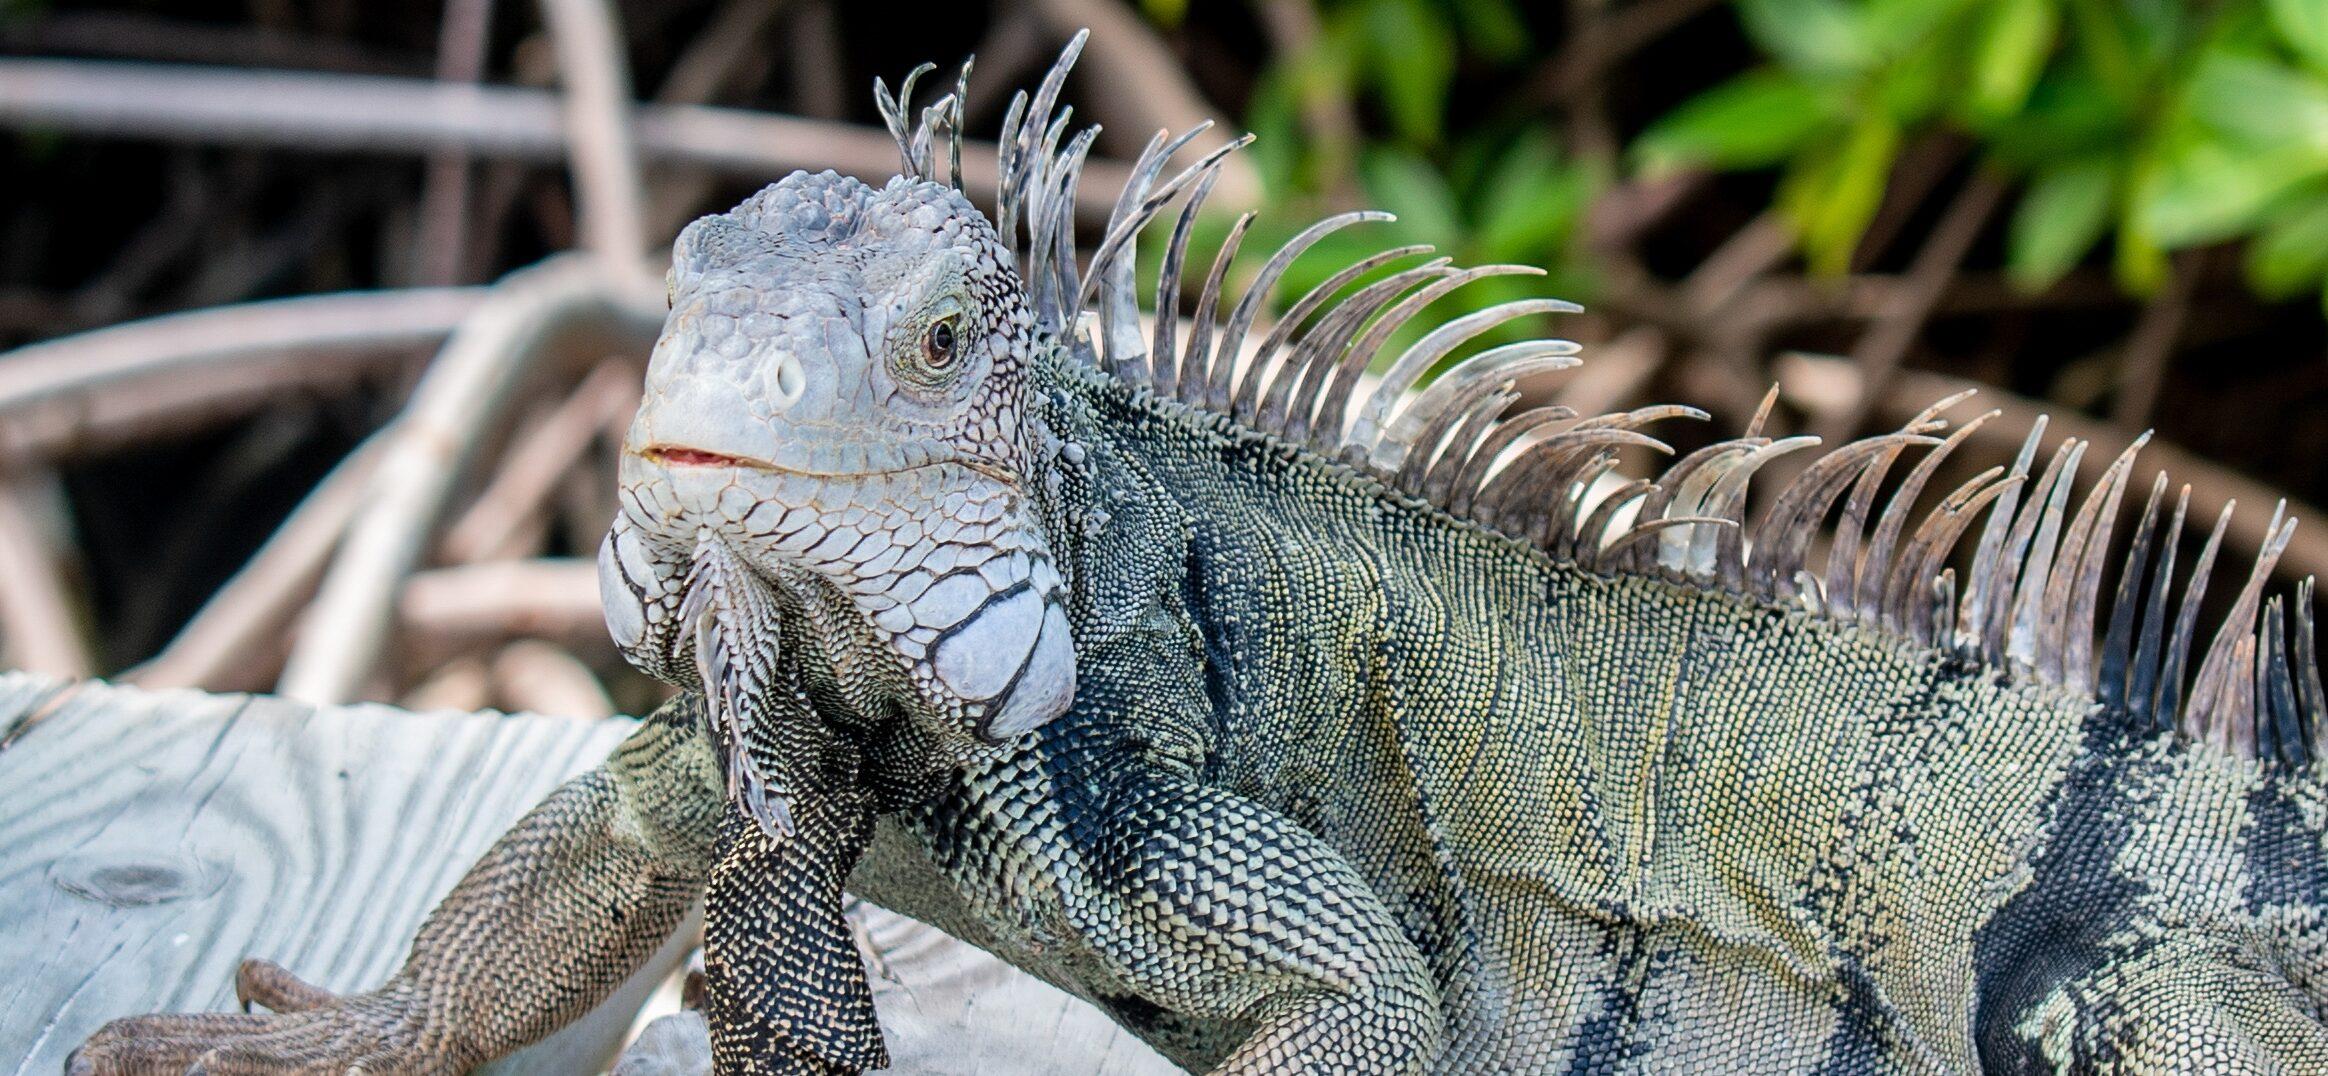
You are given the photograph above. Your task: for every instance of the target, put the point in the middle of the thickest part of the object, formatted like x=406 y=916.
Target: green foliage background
x=2128 y=129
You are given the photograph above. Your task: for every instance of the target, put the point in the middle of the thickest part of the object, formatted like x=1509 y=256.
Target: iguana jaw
x=677 y=456
x=970 y=607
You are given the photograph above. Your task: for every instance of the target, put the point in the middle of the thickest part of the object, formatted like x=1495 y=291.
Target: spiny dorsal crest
x=2028 y=603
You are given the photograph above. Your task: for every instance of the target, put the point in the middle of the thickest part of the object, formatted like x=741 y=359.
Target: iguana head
x=837 y=403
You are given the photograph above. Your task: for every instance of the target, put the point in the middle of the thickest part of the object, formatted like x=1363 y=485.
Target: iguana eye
x=938 y=343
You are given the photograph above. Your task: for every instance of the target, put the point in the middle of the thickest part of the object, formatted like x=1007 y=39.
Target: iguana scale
x=1306 y=723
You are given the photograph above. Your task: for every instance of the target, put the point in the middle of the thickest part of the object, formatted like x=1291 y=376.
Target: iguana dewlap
x=1311 y=725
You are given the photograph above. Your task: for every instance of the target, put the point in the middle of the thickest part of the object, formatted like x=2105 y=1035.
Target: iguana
x=1304 y=722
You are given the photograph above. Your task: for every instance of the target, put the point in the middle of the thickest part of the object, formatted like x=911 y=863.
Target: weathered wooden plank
x=947 y=1006
x=150 y=841
x=23 y=699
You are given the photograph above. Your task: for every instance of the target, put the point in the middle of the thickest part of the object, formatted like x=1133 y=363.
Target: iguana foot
x=310 y=1031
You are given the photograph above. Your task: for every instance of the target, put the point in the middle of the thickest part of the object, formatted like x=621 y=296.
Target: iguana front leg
x=787 y=987
x=1218 y=908
x=1099 y=859
x=1183 y=906
x=787 y=992
x=556 y=915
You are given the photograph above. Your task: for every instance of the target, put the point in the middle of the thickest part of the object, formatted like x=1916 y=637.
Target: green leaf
x=2058 y=221
x=2137 y=259
x=1274 y=116
x=1832 y=193
x=2069 y=113
x=1413 y=62
x=1407 y=186
x=1811 y=36
x=2011 y=43
x=1917 y=84
x=2103 y=41
x=1529 y=203
x=2261 y=103
x=2157 y=33
x=1894 y=28
x=2303 y=24
x=2204 y=189
x=1751 y=121
x=2291 y=253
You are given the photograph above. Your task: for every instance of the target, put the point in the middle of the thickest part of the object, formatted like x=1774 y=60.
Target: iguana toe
x=366 y=1034
x=272 y=985
x=156 y=1044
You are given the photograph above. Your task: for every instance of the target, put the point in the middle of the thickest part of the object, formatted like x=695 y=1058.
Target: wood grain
x=150 y=841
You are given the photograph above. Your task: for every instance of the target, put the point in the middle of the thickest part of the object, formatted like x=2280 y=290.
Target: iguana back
x=1645 y=821
x=1648 y=792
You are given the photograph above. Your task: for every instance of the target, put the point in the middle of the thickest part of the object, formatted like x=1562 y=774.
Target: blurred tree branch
x=127 y=382
x=466 y=386
x=298 y=110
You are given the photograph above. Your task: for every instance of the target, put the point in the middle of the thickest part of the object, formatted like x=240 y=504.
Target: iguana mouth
x=684 y=456
x=696 y=457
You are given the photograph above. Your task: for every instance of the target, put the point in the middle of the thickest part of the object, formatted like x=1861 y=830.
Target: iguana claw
x=273 y=986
